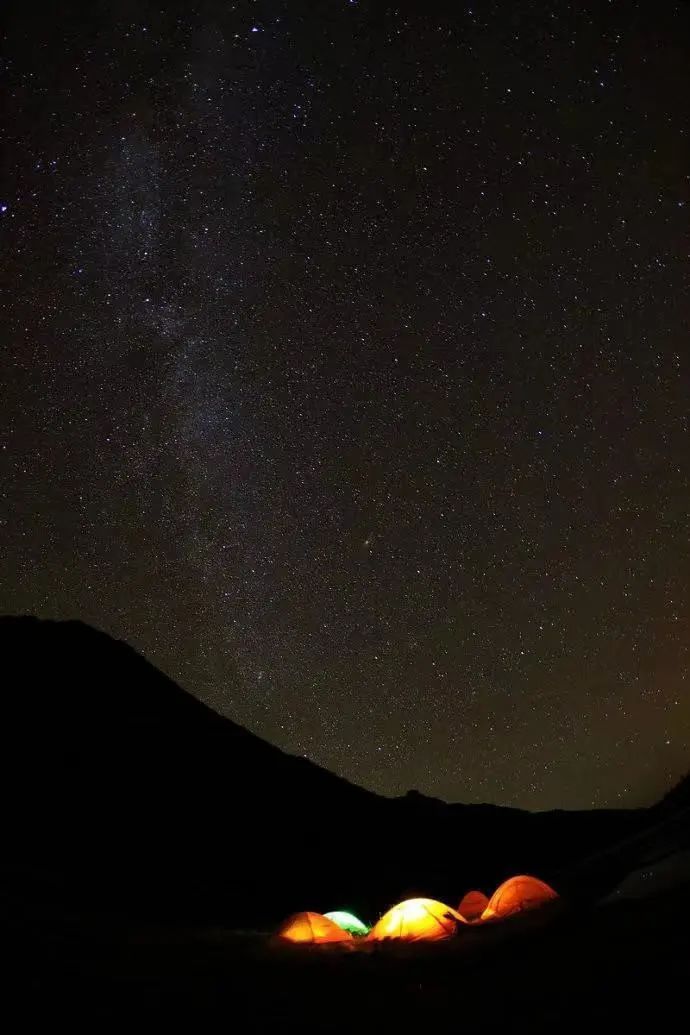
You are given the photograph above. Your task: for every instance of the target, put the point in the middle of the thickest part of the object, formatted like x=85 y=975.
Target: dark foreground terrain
x=147 y=840
x=614 y=968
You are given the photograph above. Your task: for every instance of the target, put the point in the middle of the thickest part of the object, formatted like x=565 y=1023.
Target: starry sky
x=345 y=374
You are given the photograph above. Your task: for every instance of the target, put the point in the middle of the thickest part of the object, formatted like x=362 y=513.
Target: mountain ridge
x=145 y=797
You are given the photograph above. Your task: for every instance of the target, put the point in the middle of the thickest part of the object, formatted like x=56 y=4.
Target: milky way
x=345 y=351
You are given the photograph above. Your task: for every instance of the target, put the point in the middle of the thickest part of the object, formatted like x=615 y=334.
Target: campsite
x=128 y=914
x=600 y=968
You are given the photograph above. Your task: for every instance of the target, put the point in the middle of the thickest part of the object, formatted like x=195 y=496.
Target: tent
x=348 y=922
x=473 y=905
x=417 y=919
x=312 y=928
x=517 y=894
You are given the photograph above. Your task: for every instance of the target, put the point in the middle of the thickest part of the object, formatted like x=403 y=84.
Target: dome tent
x=312 y=928
x=516 y=895
x=417 y=919
x=472 y=905
x=348 y=922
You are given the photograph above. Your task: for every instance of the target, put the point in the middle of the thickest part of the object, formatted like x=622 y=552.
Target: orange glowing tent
x=518 y=894
x=473 y=905
x=312 y=928
x=417 y=919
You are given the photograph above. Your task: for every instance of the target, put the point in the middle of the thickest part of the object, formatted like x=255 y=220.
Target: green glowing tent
x=348 y=922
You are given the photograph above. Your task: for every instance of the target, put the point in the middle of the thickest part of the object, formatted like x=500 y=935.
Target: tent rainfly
x=348 y=922
x=417 y=919
x=312 y=928
x=518 y=894
x=472 y=905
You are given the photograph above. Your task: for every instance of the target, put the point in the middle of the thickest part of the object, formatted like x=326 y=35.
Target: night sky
x=345 y=374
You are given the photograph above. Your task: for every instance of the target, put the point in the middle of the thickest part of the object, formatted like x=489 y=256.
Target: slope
x=123 y=792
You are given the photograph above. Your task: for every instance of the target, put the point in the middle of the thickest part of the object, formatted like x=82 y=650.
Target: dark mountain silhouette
x=678 y=796
x=123 y=792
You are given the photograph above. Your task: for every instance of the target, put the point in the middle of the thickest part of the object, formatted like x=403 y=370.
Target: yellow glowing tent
x=312 y=928
x=473 y=905
x=518 y=894
x=417 y=919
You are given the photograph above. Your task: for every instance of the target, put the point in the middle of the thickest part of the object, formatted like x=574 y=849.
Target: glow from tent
x=312 y=928
x=517 y=894
x=348 y=922
x=472 y=905
x=418 y=919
